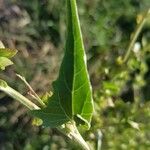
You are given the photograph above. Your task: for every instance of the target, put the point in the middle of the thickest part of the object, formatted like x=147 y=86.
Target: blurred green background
x=37 y=28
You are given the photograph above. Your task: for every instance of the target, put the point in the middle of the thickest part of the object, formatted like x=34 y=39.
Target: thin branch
x=99 y=139
x=17 y=96
x=32 y=92
x=135 y=35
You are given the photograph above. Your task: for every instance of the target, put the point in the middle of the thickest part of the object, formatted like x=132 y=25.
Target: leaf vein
x=62 y=107
x=81 y=86
x=66 y=82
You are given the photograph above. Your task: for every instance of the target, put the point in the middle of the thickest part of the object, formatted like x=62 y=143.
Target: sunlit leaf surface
x=5 y=54
x=72 y=95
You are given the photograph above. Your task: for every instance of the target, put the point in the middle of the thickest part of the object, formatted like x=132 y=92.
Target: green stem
x=31 y=90
x=17 y=96
x=70 y=130
x=99 y=139
x=135 y=35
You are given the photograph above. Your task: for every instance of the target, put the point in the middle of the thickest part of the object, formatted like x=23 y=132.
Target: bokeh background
x=37 y=28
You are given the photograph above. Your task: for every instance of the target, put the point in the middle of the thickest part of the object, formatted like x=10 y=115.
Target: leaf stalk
x=32 y=92
x=70 y=130
x=17 y=96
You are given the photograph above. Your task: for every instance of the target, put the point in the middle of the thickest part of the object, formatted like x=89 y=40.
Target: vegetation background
x=121 y=92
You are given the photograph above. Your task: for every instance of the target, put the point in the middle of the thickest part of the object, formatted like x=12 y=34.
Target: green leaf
x=5 y=52
x=3 y=83
x=46 y=97
x=134 y=125
x=72 y=96
x=4 y=62
x=37 y=122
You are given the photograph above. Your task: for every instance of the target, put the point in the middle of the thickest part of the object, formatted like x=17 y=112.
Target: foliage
x=5 y=54
x=121 y=92
x=72 y=98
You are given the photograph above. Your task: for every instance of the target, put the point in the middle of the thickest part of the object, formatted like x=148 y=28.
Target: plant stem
x=77 y=138
x=99 y=139
x=135 y=35
x=16 y=95
x=70 y=130
x=33 y=94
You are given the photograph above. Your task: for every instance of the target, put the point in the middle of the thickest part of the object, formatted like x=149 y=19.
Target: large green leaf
x=72 y=98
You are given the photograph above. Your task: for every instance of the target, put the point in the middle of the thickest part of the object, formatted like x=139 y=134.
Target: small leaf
x=134 y=125
x=3 y=83
x=72 y=96
x=37 y=122
x=46 y=96
x=4 y=62
x=5 y=52
x=1 y=45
